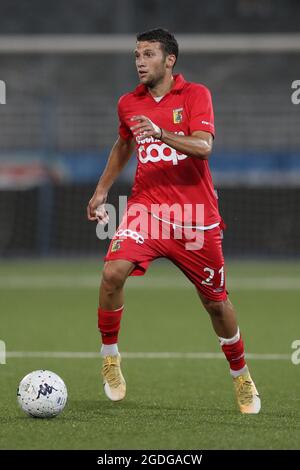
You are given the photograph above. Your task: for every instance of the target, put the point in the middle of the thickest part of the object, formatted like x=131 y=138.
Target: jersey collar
x=178 y=86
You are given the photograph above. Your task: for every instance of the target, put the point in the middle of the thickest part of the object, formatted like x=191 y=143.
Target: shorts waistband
x=197 y=227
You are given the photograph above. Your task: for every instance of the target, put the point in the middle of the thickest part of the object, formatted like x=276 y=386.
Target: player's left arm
x=199 y=144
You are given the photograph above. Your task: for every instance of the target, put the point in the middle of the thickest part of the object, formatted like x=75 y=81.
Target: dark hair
x=166 y=39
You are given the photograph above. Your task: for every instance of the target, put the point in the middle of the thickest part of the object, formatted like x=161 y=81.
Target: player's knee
x=214 y=308
x=112 y=277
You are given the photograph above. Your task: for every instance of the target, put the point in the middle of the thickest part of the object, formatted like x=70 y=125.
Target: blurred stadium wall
x=65 y=64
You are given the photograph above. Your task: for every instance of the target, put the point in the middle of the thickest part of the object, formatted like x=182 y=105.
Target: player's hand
x=96 y=208
x=145 y=127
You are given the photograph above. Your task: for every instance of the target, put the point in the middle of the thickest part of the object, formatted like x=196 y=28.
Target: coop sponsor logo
x=295 y=96
x=2 y=92
x=150 y=151
x=127 y=233
x=2 y=352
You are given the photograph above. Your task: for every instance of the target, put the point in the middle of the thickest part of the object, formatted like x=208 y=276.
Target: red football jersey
x=163 y=175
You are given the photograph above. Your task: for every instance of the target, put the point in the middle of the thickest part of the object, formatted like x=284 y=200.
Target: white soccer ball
x=42 y=394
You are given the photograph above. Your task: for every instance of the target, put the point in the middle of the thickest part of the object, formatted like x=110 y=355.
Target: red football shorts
x=197 y=253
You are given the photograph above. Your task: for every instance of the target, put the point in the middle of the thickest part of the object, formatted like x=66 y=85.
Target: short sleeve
x=124 y=130
x=201 y=110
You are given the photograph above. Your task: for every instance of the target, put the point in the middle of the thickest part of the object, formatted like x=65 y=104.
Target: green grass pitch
x=171 y=403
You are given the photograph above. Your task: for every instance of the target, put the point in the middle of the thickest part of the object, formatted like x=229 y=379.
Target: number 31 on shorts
x=209 y=281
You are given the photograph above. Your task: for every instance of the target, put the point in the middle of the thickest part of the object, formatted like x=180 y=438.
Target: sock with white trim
x=109 y=350
x=233 y=348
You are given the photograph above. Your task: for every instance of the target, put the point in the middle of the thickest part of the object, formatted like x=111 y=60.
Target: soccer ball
x=42 y=394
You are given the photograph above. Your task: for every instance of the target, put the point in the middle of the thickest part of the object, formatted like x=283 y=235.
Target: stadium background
x=60 y=121
x=65 y=64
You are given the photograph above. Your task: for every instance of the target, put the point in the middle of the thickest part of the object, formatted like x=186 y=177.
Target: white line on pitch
x=158 y=282
x=140 y=355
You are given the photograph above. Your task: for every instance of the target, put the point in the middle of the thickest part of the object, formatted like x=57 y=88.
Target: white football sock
x=109 y=350
x=236 y=373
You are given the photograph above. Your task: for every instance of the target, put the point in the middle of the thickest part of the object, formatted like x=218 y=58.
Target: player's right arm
x=119 y=156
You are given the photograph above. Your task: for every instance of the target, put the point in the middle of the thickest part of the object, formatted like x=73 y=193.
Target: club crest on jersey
x=177 y=115
x=116 y=245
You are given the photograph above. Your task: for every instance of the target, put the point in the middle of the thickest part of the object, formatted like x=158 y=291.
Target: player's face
x=150 y=62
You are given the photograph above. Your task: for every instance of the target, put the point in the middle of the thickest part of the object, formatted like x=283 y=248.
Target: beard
x=152 y=81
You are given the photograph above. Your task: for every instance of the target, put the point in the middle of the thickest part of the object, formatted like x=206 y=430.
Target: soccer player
x=170 y=122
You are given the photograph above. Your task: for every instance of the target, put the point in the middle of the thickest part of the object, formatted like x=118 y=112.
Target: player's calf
x=109 y=320
x=224 y=322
